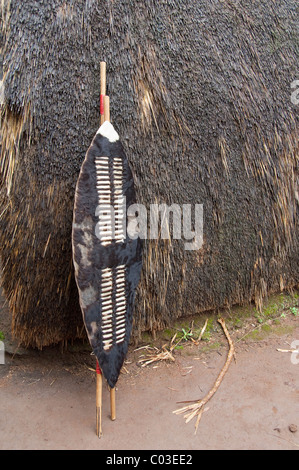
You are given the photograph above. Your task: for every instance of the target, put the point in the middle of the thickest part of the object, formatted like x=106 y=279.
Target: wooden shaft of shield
x=99 y=388
x=99 y=379
x=112 y=390
x=112 y=403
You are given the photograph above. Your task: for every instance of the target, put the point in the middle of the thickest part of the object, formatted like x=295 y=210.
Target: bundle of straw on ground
x=201 y=96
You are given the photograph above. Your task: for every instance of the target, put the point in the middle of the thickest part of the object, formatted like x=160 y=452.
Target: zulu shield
x=107 y=261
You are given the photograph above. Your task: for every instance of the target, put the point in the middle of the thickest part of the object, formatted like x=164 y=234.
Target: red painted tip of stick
x=102 y=105
x=98 y=369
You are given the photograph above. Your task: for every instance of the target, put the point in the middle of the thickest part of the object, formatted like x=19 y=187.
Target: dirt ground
x=48 y=397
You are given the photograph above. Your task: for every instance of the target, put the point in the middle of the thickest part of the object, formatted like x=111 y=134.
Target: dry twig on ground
x=197 y=408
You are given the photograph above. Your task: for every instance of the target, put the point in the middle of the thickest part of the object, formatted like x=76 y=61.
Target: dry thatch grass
x=165 y=353
x=200 y=94
x=13 y=126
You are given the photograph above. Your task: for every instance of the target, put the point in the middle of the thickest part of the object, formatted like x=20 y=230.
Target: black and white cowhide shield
x=107 y=261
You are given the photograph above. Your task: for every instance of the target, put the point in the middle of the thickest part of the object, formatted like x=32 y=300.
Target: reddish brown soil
x=48 y=398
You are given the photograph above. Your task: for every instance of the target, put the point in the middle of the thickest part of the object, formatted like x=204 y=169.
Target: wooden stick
x=112 y=390
x=103 y=89
x=197 y=408
x=99 y=383
x=112 y=403
x=99 y=379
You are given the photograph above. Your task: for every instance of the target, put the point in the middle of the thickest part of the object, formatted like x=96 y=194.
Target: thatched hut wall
x=201 y=96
